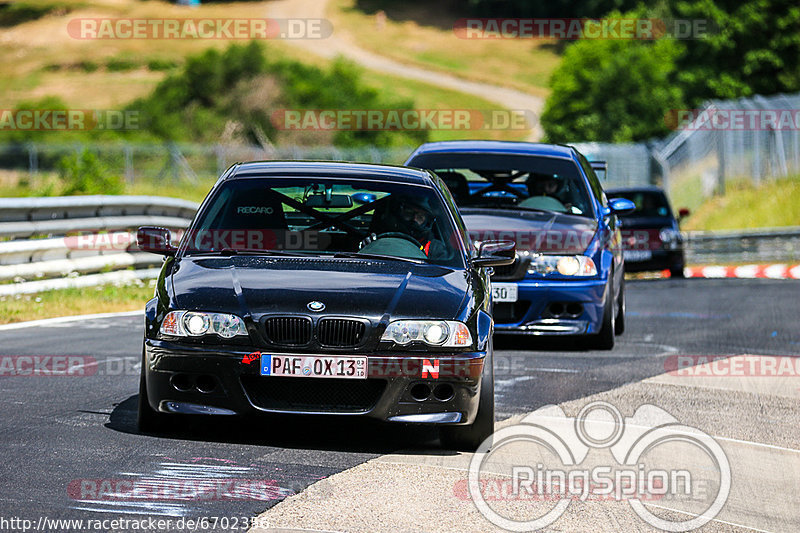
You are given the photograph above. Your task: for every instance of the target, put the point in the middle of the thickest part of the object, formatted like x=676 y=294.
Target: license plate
x=504 y=292
x=300 y=366
x=637 y=255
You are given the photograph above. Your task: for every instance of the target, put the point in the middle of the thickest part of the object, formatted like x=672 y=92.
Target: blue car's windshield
x=325 y=216
x=511 y=181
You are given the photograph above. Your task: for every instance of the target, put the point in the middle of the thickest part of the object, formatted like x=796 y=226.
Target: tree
x=612 y=91
x=751 y=48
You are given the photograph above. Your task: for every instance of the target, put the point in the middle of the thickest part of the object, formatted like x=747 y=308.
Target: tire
x=147 y=420
x=676 y=273
x=619 y=325
x=605 y=339
x=469 y=438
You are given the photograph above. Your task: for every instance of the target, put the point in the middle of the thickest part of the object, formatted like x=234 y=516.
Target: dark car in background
x=567 y=278
x=315 y=288
x=651 y=235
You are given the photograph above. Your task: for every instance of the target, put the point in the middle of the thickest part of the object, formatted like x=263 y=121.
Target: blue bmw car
x=568 y=276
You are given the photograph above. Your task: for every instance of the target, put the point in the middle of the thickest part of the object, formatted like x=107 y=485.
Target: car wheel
x=147 y=420
x=619 y=325
x=605 y=339
x=676 y=272
x=469 y=438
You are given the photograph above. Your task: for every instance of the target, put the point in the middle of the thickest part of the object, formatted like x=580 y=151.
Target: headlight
x=446 y=333
x=566 y=265
x=195 y=324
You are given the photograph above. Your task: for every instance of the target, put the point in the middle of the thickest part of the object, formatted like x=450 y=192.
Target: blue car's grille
x=514 y=271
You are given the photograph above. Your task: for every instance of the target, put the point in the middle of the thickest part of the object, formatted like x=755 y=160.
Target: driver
x=412 y=216
x=544 y=185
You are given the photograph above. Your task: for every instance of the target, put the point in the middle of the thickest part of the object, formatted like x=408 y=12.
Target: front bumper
x=659 y=260
x=202 y=379
x=573 y=307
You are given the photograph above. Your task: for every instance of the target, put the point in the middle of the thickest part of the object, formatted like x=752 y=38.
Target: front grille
x=288 y=330
x=340 y=332
x=514 y=271
x=313 y=394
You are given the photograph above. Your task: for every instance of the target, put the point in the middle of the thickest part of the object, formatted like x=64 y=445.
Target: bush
x=121 y=64
x=161 y=64
x=83 y=173
x=608 y=90
x=19 y=12
x=241 y=85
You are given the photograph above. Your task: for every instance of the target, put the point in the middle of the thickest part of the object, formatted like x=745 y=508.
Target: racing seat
x=457 y=184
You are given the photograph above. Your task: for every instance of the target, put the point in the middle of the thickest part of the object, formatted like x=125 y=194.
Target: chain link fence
x=751 y=139
x=179 y=162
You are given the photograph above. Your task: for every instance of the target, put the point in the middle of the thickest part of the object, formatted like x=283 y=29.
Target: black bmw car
x=651 y=236
x=327 y=289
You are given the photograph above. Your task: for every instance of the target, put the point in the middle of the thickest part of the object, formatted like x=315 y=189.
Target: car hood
x=350 y=287
x=533 y=231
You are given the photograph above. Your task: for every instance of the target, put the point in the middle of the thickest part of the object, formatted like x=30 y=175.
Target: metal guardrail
x=44 y=245
x=80 y=240
x=757 y=246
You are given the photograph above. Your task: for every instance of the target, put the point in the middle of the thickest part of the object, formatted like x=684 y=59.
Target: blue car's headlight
x=566 y=265
x=195 y=324
x=447 y=333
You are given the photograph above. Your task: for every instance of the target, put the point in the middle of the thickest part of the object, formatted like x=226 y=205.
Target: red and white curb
x=777 y=271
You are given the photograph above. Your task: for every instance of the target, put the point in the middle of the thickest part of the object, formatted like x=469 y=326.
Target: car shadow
x=517 y=342
x=333 y=433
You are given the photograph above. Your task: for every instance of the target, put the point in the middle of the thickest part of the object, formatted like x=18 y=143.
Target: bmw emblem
x=315 y=306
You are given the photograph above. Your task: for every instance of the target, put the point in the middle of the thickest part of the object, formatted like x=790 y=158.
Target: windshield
x=325 y=216
x=648 y=203
x=511 y=181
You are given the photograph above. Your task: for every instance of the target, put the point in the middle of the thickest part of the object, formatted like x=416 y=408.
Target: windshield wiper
x=250 y=251
x=516 y=207
x=359 y=255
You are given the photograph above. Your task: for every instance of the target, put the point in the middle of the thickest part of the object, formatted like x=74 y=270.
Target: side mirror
x=621 y=206
x=155 y=240
x=495 y=253
x=683 y=212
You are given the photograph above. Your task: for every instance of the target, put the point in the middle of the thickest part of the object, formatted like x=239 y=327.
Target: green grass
x=421 y=33
x=65 y=302
x=775 y=203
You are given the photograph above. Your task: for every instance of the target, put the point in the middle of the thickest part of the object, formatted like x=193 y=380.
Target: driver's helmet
x=544 y=185
x=412 y=215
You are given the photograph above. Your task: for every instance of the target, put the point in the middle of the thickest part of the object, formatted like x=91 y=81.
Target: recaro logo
x=254 y=210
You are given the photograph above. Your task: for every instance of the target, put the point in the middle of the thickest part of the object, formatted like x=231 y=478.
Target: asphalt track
x=70 y=448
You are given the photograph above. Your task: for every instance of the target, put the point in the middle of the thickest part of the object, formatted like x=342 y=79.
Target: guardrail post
x=33 y=158
x=127 y=151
